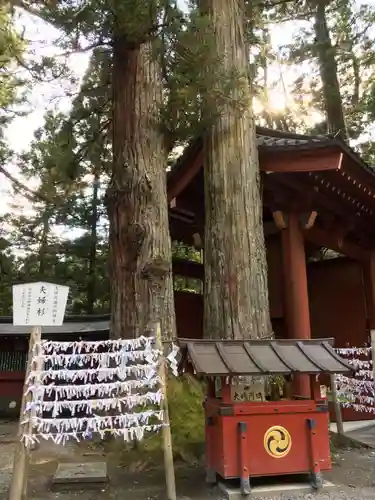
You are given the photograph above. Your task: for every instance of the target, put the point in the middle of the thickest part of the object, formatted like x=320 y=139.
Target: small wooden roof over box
x=227 y=358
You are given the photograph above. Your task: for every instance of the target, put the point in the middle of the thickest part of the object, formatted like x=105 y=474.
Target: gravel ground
x=353 y=475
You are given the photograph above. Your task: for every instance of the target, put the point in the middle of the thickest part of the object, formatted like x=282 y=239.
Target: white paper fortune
x=86 y=388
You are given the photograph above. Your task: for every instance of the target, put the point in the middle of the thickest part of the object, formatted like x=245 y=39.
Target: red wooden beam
x=298 y=161
x=188 y=268
x=188 y=172
x=330 y=239
x=181 y=229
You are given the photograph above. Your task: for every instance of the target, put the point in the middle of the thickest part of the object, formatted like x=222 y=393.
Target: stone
x=231 y=493
x=81 y=475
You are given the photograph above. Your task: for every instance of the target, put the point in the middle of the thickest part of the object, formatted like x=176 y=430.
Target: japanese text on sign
x=39 y=304
x=244 y=392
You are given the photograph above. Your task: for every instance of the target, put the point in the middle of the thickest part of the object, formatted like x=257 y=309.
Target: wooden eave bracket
x=197 y=241
x=307 y=219
x=281 y=219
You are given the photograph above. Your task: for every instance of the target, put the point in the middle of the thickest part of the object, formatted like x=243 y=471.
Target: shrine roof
x=319 y=173
x=269 y=141
x=266 y=138
x=73 y=325
x=262 y=357
x=281 y=140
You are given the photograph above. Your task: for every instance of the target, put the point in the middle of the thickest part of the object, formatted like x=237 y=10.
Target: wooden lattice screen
x=13 y=361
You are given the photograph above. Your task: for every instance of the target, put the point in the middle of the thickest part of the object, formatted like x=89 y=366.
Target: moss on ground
x=185 y=398
x=185 y=403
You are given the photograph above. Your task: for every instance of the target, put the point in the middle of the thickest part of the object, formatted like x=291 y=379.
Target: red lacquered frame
x=235 y=437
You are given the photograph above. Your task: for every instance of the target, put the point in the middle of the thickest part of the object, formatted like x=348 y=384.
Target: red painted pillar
x=296 y=291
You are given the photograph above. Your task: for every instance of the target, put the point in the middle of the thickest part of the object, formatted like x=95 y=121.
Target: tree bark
x=91 y=283
x=326 y=54
x=139 y=241
x=235 y=294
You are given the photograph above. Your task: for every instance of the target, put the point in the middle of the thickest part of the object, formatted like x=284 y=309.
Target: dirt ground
x=353 y=474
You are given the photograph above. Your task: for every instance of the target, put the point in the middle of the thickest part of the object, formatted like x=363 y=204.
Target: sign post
x=34 y=305
x=336 y=406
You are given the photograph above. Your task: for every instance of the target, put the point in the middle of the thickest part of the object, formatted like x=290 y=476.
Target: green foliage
x=11 y=48
x=182 y=44
x=193 y=73
x=186 y=395
x=8 y=269
x=183 y=283
x=65 y=237
x=185 y=401
x=350 y=30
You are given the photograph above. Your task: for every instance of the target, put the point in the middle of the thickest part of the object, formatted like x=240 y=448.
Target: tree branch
x=29 y=193
x=78 y=155
x=22 y=5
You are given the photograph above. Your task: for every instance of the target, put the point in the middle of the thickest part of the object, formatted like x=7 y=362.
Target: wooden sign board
x=39 y=304
x=323 y=391
x=248 y=392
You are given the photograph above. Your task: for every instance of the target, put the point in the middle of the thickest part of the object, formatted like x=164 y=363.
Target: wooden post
x=18 y=483
x=167 y=437
x=336 y=405
x=296 y=294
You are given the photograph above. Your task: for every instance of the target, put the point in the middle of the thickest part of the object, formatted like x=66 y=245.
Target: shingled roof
x=277 y=140
x=262 y=357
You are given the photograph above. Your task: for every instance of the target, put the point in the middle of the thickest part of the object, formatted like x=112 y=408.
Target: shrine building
x=317 y=194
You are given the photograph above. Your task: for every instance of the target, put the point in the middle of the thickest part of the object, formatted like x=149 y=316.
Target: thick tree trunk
x=325 y=52
x=91 y=283
x=236 y=294
x=139 y=242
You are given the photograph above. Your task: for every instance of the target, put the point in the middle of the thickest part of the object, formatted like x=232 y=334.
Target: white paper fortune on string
x=81 y=379
x=357 y=392
x=172 y=359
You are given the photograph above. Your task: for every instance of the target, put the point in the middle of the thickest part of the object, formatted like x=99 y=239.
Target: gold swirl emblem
x=277 y=441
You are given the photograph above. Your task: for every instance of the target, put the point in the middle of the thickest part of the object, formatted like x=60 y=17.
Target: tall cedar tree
x=335 y=39
x=139 y=240
x=235 y=294
x=140 y=249
x=326 y=55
